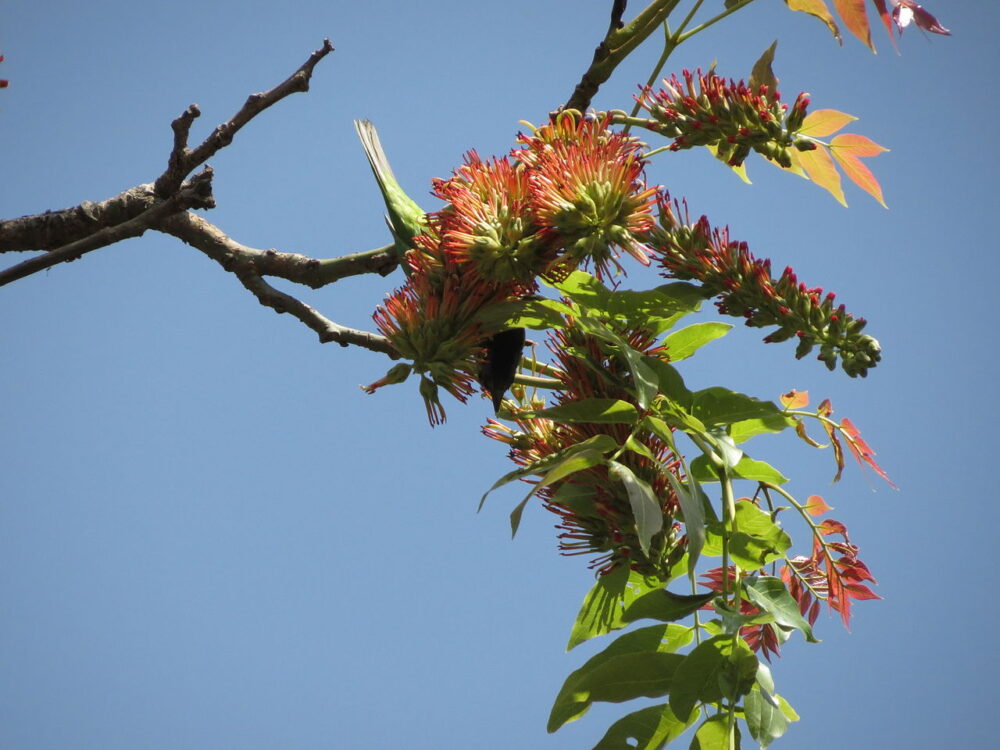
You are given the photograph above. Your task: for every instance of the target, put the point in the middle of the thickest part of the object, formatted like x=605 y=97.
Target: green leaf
x=759 y=541
x=746 y=468
x=570 y=465
x=711 y=665
x=646 y=729
x=763 y=717
x=594 y=410
x=670 y=382
x=603 y=443
x=666 y=606
x=786 y=709
x=539 y=314
x=579 y=498
x=585 y=290
x=685 y=342
x=747 y=428
x=646 y=508
x=643 y=376
x=770 y=595
x=713 y=734
x=575 y=696
x=721 y=406
x=606 y=601
x=692 y=501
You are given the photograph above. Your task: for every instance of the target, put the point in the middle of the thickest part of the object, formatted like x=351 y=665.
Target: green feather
x=405 y=218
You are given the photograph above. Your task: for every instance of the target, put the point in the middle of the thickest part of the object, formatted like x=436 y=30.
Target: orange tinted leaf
x=860 y=175
x=822 y=122
x=862 y=452
x=858 y=145
x=818 y=9
x=852 y=13
x=795 y=399
x=800 y=430
x=821 y=170
x=816 y=506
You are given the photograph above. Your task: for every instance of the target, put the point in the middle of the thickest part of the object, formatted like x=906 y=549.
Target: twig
x=183 y=160
x=328 y=330
x=195 y=231
x=196 y=193
x=616 y=46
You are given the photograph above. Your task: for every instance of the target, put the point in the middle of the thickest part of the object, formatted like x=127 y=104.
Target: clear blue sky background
x=210 y=538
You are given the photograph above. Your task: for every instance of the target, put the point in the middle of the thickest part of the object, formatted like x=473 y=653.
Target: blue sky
x=211 y=538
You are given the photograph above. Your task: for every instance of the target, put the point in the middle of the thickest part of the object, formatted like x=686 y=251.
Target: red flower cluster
x=572 y=194
x=730 y=116
x=745 y=288
x=595 y=516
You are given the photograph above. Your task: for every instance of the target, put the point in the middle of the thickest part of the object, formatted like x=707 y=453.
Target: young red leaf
x=795 y=399
x=822 y=122
x=818 y=9
x=883 y=13
x=855 y=18
x=821 y=170
x=816 y=506
x=862 y=452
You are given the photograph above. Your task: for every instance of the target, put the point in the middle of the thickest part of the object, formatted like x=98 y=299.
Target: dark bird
x=500 y=363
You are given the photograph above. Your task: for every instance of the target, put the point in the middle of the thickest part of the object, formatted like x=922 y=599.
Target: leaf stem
x=681 y=37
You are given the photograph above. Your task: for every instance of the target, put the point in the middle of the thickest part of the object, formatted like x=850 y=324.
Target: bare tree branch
x=620 y=40
x=183 y=160
x=195 y=193
x=199 y=233
x=54 y=229
x=328 y=330
x=251 y=265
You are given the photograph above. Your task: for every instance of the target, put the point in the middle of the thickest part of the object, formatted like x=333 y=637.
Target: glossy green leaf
x=692 y=502
x=575 y=696
x=685 y=342
x=671 y=384
x=579 y=498
x=643 y=376
x=707 y=668
x=606 y=601
x=713 y=734
x=570 y=465
x=758 y=542
x=646 y=729
x=585 y=290
x=539 y=314
x=603 y=443
x=646 y=508
x=764 y=719
x=721 y=406
x=771 y=595
x=595 y=410
x=746 y=468
x=747 y=428
x=666 y=606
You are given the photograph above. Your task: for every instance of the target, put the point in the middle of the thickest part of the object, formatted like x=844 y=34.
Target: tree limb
x=250 y=265
x=195 y=193
x=183 y=160
x=201 y=234
x=619 y=41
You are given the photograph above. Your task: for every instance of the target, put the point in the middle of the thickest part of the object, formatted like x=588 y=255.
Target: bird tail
x=375 y=153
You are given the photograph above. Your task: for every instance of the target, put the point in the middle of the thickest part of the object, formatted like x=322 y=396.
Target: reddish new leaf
x=816 y=506
x=862 y=452
x=795 y=399
x=855 y=18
